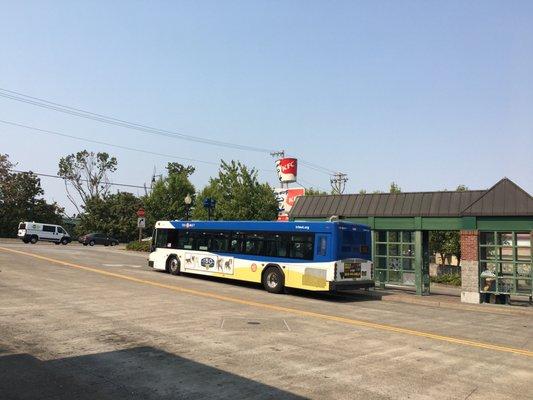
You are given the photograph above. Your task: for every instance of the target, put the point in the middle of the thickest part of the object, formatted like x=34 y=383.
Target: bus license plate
x=352 y=270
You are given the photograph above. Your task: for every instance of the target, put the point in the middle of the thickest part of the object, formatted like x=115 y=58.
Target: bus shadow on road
x=336 y=297
x=136 y=373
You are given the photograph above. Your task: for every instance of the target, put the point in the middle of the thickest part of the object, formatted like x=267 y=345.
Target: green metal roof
x=505 y=198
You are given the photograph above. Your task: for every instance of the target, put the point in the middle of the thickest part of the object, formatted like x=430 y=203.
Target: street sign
x=140 y=212
x=141 y=222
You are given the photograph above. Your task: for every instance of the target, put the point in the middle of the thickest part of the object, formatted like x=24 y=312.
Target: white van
x=32 y=232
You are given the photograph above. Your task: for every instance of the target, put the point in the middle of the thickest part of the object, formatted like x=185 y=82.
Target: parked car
x=97 y=238
x=32 y=232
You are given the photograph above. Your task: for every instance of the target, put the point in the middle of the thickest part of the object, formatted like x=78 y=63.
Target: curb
x=483 y=308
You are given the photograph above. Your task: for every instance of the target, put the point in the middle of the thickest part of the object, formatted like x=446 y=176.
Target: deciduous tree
x=114 y=214
x=394 y=188
x=239 y=195
x=166 y=200
x=314 y=192
x=21 y=200
x=87 y=174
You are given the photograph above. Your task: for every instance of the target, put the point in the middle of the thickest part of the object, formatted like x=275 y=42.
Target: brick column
x=469 y=267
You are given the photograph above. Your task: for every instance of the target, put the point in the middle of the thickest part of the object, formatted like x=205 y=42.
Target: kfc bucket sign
x=287 y=169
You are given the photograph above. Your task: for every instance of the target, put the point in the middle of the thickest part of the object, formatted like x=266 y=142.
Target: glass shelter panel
x=395 y=257
x=506 y=263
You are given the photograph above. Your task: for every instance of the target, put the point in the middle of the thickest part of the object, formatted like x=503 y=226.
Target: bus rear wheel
x=273 y=280
x=173 y=265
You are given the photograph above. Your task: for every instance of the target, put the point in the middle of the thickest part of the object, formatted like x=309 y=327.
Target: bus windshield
x=354 y=243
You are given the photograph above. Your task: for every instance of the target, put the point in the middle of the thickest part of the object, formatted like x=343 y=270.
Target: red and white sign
x=286 y=199
x=140 y=212
x=287 y=169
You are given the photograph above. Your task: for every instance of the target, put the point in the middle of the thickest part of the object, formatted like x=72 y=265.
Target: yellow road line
x=294 y=311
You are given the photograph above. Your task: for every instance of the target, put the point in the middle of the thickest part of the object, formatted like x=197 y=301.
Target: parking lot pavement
x=80 y=323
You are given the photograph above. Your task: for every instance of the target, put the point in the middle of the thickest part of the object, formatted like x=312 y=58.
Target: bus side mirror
x=152 y=248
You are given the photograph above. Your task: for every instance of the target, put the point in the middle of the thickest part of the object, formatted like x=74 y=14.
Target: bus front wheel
x=273 y=280
x=173 y=265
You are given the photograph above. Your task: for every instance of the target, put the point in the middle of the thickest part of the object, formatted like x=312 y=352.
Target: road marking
x=287 y=325
x=122 y=265
x=294 y=311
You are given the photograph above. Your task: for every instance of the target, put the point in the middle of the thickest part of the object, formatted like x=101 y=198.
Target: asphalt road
x=97 y=323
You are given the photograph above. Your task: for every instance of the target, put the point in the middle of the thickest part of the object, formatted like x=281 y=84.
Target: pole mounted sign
x=286 y=199
x=141 y=222
x=209 y=205
x=287 y=169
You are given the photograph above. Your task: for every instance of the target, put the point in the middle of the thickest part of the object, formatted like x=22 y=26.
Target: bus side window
x=186 y=240
x=301 y=246
x=235 y=245
x=219 y=242
x=275 y=245
x=202 y=241
x=254 y=244
x=322 y=245
x=172 y=238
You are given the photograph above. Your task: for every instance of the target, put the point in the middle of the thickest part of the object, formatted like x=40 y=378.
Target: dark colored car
x=97 y=238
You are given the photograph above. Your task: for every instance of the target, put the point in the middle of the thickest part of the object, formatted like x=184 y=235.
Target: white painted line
x=122 y=265
x=287 y=325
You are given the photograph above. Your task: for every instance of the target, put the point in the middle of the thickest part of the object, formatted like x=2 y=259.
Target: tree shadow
x=136 y=373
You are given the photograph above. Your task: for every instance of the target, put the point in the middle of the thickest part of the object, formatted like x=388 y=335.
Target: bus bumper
x=350 y=285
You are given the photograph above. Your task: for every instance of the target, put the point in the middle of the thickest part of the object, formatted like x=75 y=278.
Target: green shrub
x=447 y=279
x=138 y=246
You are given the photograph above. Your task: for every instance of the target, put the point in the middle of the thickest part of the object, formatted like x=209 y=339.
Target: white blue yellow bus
x=319 y=256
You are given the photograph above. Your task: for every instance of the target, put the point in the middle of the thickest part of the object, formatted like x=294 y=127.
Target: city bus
x=318 y=256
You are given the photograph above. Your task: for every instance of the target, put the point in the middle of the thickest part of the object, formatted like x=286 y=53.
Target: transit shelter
x=496 y=228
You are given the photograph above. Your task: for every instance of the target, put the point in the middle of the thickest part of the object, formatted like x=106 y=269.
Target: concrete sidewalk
x=444 y=296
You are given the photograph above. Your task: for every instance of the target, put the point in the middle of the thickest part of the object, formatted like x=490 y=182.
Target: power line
x=310 y=185
x=104 y=143
x=83 y=180
x=45 y=131
x=120 y=122
x=316 y=167
x=145 y=129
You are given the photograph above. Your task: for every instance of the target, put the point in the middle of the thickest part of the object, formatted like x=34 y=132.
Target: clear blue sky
x=428 y=94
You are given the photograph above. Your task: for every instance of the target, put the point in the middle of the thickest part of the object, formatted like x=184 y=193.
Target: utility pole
x=279 y=155
x=154 y=175
x=338 y=182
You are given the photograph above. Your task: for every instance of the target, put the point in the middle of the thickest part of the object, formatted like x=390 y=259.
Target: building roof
x=505 y=198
